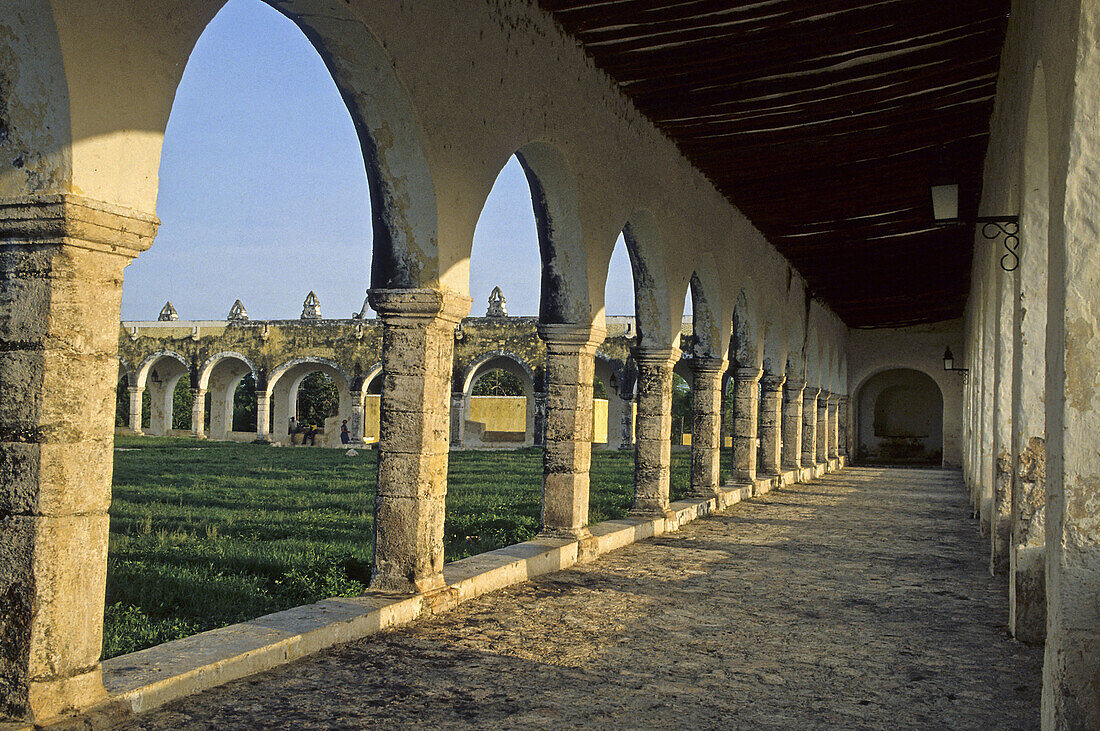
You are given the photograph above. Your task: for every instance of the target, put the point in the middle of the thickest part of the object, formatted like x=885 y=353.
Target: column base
x=402 y=586
x=1027 y=595
x=568 y=534
x=651 y=513
x=52 y=698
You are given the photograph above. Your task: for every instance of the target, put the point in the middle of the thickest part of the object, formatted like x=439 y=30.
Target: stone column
x=417 y=350
x=771 y=425
x=706 y=426
x=809 y=425
x=458 y=420
x=745 y=385
x=540 y=418
x=822 y=455
x=653 y=445
x=198 y=412
x=834 y=425
x=358 y=420
x=792 y=424
x=627 y=425
x=135 y=408
x=61 y=263
x=1071 y=667
x=263 y=416
x=842 y=427
x=1000 y=528
x=567 y=456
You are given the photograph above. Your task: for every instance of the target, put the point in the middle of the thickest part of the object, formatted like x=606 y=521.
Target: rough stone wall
x=1045 y=120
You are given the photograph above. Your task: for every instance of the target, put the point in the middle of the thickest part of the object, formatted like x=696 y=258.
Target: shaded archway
x=502 y=416
x=283 y=387
x=899 y=419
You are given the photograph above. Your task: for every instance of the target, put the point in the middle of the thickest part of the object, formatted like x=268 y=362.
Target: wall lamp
x=949 y=364
x=945 y=209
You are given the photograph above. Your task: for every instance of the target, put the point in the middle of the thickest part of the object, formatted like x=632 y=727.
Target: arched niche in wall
x=899 y=419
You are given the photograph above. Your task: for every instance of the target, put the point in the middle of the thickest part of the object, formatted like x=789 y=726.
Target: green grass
x=205 y=534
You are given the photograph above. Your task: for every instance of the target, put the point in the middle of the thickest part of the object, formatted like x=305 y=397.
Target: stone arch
x=652 y=309
x=744 y=341
x=483 y=364
x=220 y=377
x=282 y=390
x=796 y=347
x=899 y=417
x=106 y=129
x=158 y=374
x=564 y=288
x=708 y=336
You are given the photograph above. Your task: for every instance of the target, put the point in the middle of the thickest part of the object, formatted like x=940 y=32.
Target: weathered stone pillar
x=358 y=420
x=745 y=417
x=61 y=262
x=834 y=425
x=198 y=412
x=822 y=455
x=263 y=415
x=540 y=418
x=567 y=456
x=771 y=425
x=1000 y=517
x=792 y=424
x=809 y=425
x=626 y=425
x=417 y=350
x=842 y=426
x=1071 y=668
x=653 y=443
x=458 y=420
x=135 y=409
x=706 y=425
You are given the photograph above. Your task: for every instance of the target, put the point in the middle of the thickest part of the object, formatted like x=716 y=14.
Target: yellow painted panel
x=500 y=413
x=599 y=421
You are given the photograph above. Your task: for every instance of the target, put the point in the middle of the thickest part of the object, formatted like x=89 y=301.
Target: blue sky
x=263 y=195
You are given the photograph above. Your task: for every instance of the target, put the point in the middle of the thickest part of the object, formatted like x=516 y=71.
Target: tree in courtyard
x=318 y=399
x=498 y=382
x=181 y=403
x=244 y=405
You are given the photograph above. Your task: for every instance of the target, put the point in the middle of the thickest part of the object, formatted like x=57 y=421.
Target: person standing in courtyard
x=345 y=435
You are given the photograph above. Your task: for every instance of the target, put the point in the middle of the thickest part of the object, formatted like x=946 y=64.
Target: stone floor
x=861 y=600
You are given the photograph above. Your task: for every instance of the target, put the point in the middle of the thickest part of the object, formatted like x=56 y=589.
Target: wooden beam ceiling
x=825 y=122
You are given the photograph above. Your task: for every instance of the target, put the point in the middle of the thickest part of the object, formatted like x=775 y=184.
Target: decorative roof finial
x=167 y=313
x=237 y=313
x=311 y=308
x=497 y=304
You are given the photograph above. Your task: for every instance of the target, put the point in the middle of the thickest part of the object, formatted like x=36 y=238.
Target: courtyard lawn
x=205 y=534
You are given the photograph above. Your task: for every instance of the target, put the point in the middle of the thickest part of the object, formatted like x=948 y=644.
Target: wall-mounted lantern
x=949 y=364
x=945 y=209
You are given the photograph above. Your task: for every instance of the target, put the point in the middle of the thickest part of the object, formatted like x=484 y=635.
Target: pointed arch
x=651 y=295
x=564 y=288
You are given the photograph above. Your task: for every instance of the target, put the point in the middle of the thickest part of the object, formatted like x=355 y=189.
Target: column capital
x=76 y=221
x=419 y=304
x=795 y=385
x=811 y=393
x=708 y=366
x=645 y=355
x=747 y=374
x=569 y=334
x=198 y=392
x=772 y=383
x=135 y=389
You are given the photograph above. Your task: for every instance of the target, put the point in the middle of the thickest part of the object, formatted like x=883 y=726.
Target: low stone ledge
x=147 y=679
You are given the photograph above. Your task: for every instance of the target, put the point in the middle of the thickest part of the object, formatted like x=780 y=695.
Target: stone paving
x=861 y=600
